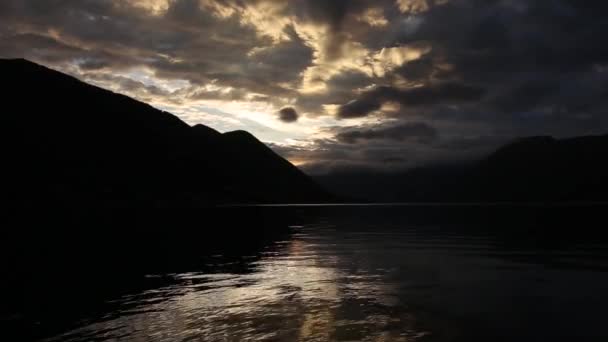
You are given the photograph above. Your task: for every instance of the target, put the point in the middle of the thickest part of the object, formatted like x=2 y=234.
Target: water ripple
x=330 y=284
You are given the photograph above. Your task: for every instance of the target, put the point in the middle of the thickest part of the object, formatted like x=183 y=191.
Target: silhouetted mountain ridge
x=72 y=143
x=532 y=169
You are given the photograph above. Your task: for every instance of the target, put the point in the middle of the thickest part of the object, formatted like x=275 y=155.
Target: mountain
x=533 y=169
x=65 y=142
x=544 y=168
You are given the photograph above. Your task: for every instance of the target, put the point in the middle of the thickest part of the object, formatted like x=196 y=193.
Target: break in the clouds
x=360 y=83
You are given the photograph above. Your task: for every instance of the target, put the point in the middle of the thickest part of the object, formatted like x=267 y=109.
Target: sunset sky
x=338 y=84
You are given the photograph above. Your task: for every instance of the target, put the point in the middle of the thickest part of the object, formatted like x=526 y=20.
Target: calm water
x=379 y=274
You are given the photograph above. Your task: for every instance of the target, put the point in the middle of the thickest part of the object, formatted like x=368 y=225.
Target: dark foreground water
x=369 y=274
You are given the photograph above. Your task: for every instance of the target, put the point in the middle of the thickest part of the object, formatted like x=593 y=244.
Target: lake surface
x=378 y=274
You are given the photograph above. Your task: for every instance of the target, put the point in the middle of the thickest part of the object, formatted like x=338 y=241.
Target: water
x=379 y=274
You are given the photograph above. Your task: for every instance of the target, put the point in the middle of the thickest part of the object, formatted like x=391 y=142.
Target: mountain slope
x=64 y=141
x=544 y=168
x=527 y=170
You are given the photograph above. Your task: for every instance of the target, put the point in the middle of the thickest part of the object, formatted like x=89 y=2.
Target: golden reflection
x=320 y=323
x=301 y=290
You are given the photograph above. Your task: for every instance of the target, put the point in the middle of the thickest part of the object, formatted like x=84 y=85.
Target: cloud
x=361 y=107
x=288 y=114
x=442 y=93
x=414 y=131
x=472 y=69
x=418 y=6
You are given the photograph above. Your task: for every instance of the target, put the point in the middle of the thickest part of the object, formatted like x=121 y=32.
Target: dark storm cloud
x=338 y=87
x=493 y=70
x=282 y=62
x=514 y=68
x=361 y=107
x=495 y=39
x=524 y=96
x=15 y=45
x=334 y=14
x=443 y=93
x=187 y=42
x=414 y=131
x=349 y=80
x=288 y=114
x=93 y=64
x=417 y=70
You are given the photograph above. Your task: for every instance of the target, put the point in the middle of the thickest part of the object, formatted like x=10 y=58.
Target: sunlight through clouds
x=418 y=6
x=387 y=59
x=456 y=65
x=156 y=7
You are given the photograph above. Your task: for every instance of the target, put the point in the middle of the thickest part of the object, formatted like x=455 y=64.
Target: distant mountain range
x=65 y=142
x=535 y=169
x=68 y=143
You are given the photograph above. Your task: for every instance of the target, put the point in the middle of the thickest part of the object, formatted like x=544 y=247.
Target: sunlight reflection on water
x=301 y=290
x=373 y=281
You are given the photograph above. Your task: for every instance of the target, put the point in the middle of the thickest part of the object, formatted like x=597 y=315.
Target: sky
x=338 y=85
